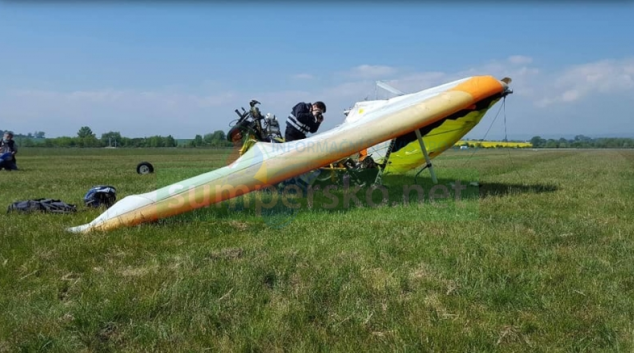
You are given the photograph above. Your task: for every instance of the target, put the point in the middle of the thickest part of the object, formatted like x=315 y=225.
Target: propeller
x=389 y=88
x=507 y=81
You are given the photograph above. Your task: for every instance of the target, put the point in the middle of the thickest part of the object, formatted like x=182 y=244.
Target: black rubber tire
x=145 y=168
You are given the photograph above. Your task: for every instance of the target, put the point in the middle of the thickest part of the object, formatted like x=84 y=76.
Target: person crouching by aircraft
x=7 y=145
x=304 y=118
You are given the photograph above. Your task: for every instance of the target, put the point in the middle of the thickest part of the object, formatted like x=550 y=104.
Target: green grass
x=539 y=259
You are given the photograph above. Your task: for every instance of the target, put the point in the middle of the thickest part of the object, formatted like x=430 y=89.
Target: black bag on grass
x=42 y=205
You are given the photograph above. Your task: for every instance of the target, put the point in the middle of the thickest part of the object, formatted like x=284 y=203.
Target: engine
x=272 y=127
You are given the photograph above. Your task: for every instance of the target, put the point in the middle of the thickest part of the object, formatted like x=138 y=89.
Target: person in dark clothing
x=7 y=145
x=304 y=118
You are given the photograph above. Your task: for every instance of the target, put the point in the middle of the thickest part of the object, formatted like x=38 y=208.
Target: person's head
x=8 y=135
x=319 y=108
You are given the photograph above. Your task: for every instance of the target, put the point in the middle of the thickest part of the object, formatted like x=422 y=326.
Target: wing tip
x=84 y=228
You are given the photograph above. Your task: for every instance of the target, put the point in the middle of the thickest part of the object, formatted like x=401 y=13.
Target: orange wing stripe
x=480 y=87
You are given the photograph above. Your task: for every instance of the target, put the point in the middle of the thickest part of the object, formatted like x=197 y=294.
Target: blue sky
x=146 y=68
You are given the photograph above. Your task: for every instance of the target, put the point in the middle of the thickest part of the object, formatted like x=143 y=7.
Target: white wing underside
x=361 y=110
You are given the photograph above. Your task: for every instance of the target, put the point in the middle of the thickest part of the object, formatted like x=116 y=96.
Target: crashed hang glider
x=268 y=163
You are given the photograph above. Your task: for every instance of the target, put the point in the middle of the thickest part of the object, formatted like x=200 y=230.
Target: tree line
x=87 y=138
x=581 y=141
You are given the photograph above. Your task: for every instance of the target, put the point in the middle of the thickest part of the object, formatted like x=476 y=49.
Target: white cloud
x=303 y=76
x=349 y=90
x=171 y=110
x=571 y=95
x=371 y=71
x=411 y=81
x=136 y=112
x=591 y=83
x=582 y=81
x=124 y=97
x=520 y=59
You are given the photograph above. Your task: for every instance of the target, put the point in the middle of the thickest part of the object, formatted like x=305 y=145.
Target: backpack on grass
x=42 y=205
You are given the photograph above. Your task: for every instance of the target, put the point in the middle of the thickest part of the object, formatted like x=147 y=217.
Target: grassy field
x=538 y=258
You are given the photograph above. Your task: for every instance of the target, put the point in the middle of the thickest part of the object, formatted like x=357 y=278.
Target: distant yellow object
x=493 y=144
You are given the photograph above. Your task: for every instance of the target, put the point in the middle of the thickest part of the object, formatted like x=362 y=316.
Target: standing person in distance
x=8 y=148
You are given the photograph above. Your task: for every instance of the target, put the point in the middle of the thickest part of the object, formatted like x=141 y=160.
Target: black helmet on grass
x=101 y=195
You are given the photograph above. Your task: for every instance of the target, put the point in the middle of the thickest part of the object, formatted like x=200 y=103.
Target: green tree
x=218 y=137
x=197 y=141
x=111 y=137
x=208 y=138
x=551 y=144
x=537 y=141
x=170 y=141
x=84 y=132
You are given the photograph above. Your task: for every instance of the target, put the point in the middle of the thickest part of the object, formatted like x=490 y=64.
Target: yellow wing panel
x=436 y=141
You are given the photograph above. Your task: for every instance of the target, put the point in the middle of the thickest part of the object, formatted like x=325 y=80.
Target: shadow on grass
x=503 y=189
x=446 y=200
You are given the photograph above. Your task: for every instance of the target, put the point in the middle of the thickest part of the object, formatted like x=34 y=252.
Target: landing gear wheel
x=145 y=168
